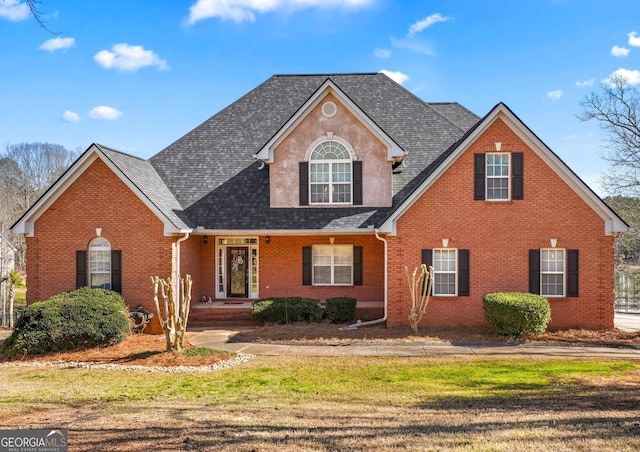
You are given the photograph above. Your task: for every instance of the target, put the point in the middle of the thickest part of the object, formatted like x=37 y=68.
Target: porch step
x=221 y=314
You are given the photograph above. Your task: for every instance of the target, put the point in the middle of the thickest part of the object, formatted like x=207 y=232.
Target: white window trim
x=94 y=248
x=563 y=273
x=455 y=273
x=487 y=177
x=331 y=162
x=333 y=265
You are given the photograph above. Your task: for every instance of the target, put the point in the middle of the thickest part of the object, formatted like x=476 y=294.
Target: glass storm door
x=237 y=271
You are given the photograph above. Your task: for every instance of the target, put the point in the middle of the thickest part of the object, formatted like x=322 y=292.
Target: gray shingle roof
x=141 y=174
x=214 y=177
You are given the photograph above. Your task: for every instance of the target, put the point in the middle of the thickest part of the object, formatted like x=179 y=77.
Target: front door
x=238 y=272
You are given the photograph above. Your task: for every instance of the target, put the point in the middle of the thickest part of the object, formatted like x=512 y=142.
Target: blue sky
x=137 y=75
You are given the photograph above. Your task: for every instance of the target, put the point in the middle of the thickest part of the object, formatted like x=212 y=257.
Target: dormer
x=330 y=154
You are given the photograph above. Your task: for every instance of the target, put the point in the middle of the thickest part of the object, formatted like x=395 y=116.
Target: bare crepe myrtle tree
x=420 y=282
x=176 y=303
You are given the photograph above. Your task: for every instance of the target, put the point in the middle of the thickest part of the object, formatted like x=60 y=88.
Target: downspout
x=181 y=239
x=358 y=324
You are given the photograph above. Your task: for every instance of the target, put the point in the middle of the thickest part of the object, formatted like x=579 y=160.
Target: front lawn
x=350 y=403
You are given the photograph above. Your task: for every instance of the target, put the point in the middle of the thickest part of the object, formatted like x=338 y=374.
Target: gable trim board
x=613 y=223
x=266 y=153
x=25 y=225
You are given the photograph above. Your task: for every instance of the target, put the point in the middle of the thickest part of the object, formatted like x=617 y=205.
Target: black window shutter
x=427 y=257
x=357 y=265
x=357 y=183
x=463 y=273
x=306 y=265
x=116 y=270
x=517 y=175
x=534 y=271
x=572 y=273
x=304 y=183
x=81 y=268
x=478 y=176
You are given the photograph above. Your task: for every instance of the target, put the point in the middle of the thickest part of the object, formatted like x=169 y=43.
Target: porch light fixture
x=267 y=239
x=554 y=242
x=206 y=239
x=445 y=243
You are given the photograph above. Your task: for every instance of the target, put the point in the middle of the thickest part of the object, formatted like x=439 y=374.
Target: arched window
x=330 y=174
x=100 y=263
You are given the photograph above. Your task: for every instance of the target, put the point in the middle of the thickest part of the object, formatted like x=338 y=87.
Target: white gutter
x=358 y=324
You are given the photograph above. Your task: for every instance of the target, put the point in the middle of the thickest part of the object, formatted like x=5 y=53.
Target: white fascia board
x=283 y=232
x=394 y=152
x=26 y=224
x=612 y=223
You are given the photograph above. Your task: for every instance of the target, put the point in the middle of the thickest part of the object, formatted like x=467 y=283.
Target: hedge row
x=297 y=309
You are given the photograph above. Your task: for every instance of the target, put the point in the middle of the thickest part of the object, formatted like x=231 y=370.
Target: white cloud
x=413 y=45
x=57 y=43
x=620 y=51
x=426 y=23
x=245 y=10
x=70 y=116
x=584 y=83
x=632 y=76
x=555 y=95
x=126 y=57
x=104 y=112
x=396 y=76
x=13 y=10
x=634 y=40
x=382 y=53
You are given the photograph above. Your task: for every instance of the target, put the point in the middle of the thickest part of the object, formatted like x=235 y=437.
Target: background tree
x=27 y=170
x=616 y=108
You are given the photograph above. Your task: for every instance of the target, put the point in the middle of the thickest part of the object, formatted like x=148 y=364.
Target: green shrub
x=83 y=318
x=287 y=310
x=340 y=309
x=516 y=314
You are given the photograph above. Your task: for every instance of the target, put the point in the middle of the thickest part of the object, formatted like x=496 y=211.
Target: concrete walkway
x=219 y=339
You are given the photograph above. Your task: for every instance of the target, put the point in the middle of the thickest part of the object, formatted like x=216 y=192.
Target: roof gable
x=612 y=222
x=266 y=153
x=137 y=174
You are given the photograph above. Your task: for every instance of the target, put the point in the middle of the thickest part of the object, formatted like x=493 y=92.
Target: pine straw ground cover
x=340 y=403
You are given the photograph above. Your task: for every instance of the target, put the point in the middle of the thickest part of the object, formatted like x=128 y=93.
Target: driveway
x=627 y=322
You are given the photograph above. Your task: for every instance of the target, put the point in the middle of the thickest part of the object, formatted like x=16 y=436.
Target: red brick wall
x=97 y=199
x=499 y=235
x=281 y=268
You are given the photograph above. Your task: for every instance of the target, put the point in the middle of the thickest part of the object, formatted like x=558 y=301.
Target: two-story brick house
x=330 y=185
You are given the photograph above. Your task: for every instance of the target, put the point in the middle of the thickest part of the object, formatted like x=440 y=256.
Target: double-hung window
x=332 y=265
x=450 y=271
x=444 y=271
x=498 y=175
x=552 y=277
x=554 y=272
x=330 y=174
